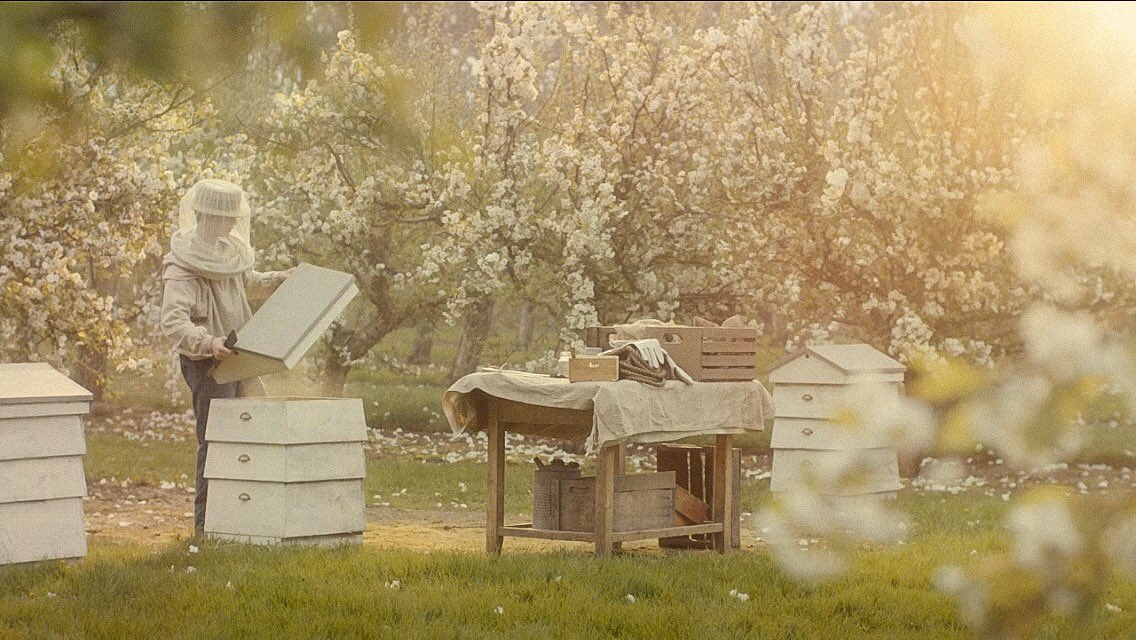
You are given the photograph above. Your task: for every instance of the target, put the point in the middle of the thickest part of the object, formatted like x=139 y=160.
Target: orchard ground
x=422 y=571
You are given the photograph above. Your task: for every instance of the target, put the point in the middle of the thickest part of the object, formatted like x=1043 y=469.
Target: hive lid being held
x=38 y=382
x=288 y=323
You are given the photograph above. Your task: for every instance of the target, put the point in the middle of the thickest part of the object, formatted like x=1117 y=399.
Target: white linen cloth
x=623 y=411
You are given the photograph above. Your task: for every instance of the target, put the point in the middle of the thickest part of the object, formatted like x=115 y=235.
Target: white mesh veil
x=212 y=204
x=214 y=197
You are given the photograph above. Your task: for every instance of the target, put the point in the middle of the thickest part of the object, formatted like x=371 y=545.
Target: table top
x=623 y=411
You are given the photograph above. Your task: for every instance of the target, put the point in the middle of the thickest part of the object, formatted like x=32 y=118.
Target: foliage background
x=950 y=183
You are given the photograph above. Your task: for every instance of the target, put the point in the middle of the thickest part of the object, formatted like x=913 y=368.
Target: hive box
x=41 y=464
x=285 y=470
x=288 y=323
x=808 y=388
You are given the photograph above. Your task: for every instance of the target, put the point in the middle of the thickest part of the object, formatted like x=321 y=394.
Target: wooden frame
x=506 y=415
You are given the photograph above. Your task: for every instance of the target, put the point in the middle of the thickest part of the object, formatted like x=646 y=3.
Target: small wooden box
x=708 y=354
x=642 y=501
x=593 y=369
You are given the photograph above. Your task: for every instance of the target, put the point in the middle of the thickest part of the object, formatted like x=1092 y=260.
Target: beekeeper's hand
x=652 y=352
x=220 y=351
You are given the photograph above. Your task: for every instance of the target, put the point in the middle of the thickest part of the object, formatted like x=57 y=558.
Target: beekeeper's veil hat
x=199 y=244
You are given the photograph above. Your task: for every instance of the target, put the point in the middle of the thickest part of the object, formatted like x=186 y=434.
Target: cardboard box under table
x=608 y=415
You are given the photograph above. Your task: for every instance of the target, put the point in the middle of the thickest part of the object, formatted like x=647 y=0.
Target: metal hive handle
x=808 y=431
x=246 y=416
x=244 y=497
x=244 y=458
x=807 y=397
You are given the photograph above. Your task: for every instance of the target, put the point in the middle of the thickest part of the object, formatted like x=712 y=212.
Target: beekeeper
x=208 y=277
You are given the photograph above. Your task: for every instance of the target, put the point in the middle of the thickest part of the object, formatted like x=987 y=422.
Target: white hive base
x=42 y=530
x=280 y=510
x=334 y=540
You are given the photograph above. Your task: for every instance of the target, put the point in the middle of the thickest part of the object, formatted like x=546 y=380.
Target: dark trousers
x=204 y=389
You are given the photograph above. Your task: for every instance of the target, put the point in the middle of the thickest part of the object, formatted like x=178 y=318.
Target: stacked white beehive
x=286 y=470
x=41 y=464
x=810 y=388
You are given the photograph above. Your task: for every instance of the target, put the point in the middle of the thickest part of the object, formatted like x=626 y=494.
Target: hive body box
x=286 y=470
x=41 y=464
x=808 y=388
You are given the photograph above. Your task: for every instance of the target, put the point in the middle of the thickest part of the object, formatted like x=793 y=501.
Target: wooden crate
x=642 y=501
x=546 y=494
x=708 y=354
x=693 y=467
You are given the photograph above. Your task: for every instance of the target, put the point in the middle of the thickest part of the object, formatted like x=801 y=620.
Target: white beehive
x=41 y=464
x=809 y=387
x=286 y=470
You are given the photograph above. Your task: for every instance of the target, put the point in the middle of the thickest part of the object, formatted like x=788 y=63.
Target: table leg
x=620 y=469
x=723 y=491
x=605 y=498
x=495 y=480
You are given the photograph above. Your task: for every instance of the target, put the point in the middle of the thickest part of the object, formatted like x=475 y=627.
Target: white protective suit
x=209 y=269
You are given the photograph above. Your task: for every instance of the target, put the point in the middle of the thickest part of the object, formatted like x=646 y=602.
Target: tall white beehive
x=41 y=464
x=809 y=388
x=286 y=470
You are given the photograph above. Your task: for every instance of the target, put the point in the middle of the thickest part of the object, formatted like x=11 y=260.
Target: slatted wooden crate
x=642 y=501
x=286 y=470
x=708 y=354
x=694 y=473
x=546 y=494
x=41 y=464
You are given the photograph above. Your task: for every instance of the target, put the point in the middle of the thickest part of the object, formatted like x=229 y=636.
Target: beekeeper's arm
x=260 y=284
x=178 y=297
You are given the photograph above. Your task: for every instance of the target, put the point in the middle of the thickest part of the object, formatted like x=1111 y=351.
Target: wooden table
x=508 y=415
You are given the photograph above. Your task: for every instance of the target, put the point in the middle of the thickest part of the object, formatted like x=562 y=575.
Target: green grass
x=122 y=591
x=286 y=593
x=147 y=462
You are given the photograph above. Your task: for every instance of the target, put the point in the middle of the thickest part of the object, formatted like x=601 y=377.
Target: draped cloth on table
x=623 y=411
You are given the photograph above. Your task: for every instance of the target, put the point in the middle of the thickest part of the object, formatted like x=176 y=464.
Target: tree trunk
x=351 y=343
x=476 y=325
x=335 y=369
x=525 y=326
x=89 y=370
x=347 y=345
x=421 y=352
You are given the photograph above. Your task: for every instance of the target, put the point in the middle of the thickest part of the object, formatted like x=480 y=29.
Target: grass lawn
x=232 y=591
x=160 y=589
